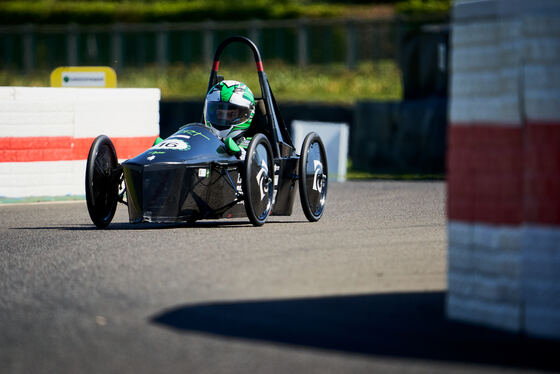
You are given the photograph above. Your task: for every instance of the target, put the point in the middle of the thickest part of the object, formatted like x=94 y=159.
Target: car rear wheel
x=102 y=181
x=258 y=180
x=313 y=177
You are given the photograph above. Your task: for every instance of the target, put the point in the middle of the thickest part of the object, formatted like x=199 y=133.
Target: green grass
x=366 y=175
x=354 y=174
x=319 y=83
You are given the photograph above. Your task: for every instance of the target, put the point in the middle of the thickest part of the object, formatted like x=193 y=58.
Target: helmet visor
x=224 y=115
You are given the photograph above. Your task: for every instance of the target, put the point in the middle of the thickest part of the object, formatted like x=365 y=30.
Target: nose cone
x=192 y=144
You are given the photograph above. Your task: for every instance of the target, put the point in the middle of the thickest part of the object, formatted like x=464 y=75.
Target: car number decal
x=173 y=144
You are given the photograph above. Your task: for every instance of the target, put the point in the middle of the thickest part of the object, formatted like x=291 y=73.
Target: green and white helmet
x=229 y=108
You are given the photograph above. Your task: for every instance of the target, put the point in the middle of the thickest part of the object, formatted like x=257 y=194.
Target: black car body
x=190 y=175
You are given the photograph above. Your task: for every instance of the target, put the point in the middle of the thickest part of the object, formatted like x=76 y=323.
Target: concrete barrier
x=504 y=165
x=335 y=139
x=399 y=137
x=384 y=136
x=45 y=134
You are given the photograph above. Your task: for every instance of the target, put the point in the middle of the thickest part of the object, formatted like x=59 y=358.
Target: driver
x=229 y=110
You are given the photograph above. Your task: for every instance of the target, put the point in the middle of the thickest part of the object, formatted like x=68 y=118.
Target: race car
x=191 y=176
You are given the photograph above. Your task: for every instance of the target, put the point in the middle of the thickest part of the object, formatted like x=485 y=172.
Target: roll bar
x=279 y=131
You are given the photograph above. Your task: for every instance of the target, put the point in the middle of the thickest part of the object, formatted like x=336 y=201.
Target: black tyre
x=102 y=181
x=313 y=177
x=258 y=180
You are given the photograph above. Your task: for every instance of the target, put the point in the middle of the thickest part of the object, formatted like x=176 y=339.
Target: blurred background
x=378 y=65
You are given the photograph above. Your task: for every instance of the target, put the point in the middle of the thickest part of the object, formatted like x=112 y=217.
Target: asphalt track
x=362 y=290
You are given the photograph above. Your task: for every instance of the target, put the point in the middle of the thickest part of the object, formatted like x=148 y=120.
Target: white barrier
x=335 y=139
x=45 y=134
x=503 y=180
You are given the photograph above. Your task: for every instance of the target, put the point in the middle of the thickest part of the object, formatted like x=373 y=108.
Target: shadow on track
x=404 y=325
x=125 y=226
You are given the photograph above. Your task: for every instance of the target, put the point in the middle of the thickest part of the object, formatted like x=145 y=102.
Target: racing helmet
x=229 y=108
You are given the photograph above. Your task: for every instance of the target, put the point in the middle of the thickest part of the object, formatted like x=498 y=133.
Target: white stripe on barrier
x=541 y=78
x=545 y=25
x=484 y=273
x=543 y=105
x=501 y=111
x=498 y=290
x=476 y=58
x=502 y=238
x=468 y=84
x=506 y=316
x=541 y=279
x=460 y=233
x=51 y=178
x=475 y=34
x=542 y=92
x=34 y=106
x=47 y=178
x=131 y=95
x=45 y=94
x=493 y=251
x=117 y=119
x=485 y=83
x=544 y=239
x=61 y=95
x=459 y=258
x=81 y=112
x=542 y=321
x=490 y=249
x=541 y=50
x=33 y=130
x=36 y=118
x=500 y=9
x=543 y=293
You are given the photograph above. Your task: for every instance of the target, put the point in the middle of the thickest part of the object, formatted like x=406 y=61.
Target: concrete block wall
x=540 y=249
x=504 y=165
x=45 y=134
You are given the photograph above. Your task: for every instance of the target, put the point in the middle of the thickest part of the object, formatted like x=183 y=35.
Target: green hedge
x=95 y=12
x=131 y=11
x=424 y=8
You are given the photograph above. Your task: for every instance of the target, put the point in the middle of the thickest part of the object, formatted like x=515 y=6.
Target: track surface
x=362 y=290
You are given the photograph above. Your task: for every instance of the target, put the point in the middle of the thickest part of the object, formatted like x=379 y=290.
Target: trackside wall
x=45 y=134
x=504 y=165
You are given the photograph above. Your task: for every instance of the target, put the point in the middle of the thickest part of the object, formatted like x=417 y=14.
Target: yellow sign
x=84 y=76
